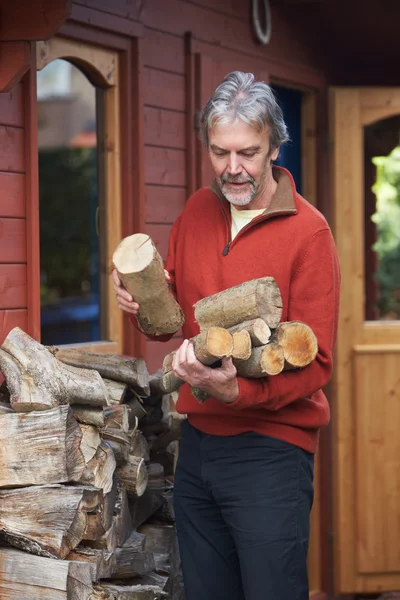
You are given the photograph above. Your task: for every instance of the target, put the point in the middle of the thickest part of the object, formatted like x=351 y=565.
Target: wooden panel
x=235 y=8
x=160 y=236
x=165 y=167
x=156 y=351
x=12 y=240
x=164 y=90
x=10 y=319
x=106 y=21
x=15 y=62
x=11 y=107
x=12 y=149
x=12 y=195
x=164 y=128
x=128 y=9
x=13 y=281
x=163 y=51
x=164 y=204
x=377 y=462
x=380 y=103
x=309 y=148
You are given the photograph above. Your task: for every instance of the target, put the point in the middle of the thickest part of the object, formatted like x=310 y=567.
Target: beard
x=241 y=196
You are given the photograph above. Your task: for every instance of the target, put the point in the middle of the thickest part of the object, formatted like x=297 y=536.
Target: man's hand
x=124 y=299
x=220 y=383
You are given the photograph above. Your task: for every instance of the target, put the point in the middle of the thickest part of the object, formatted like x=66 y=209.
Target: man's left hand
x=221 y=383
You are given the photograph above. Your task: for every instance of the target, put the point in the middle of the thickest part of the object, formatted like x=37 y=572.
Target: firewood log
x=241 y=345
x=116 y=391
x=108 y=541
x=102 y=563
x=117 y=417
x=134 y=475
x=258 y=298
x=40 y=448
x=132 y=560
x=264 y=360
x=139 y=446
x=38 y=381
x=144 y=507
x=47 y=520
x=298 y=342
x=122 y=517
x=89 y=415
x=99 y=471
x=131 y=371
x=258 y=330
x=156 y=386
x=24 y=576
x=159 y=540
x=94 y=526
x=141 y=270
x=118 y=440
x=108 y=591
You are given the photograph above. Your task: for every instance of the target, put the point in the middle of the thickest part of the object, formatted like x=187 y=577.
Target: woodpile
x=243 y=322
x=88 y=446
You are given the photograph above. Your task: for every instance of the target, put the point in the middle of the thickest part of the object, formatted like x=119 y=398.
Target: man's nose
x=234 y=165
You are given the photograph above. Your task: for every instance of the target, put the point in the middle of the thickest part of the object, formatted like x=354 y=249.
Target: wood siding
x=13 y=242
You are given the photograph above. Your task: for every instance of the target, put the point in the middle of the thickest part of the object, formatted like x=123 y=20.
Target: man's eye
x=248 y=154
x=220 y=153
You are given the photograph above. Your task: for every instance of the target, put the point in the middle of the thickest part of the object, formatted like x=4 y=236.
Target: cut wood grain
x=258 y=298
x=89 y=415
x=298 y=342
x=264 y=360
x=241 y=345
x=116 y=391
x=129 y=592
x=134 y=475
x=131 y=371
x=258 y=330
x=118 y=417
x=47 y=520
x=40 y=448
x=99 y=471
x=119 y=441
x=132 y=560
x=24 y=576
x=141 y=270
x=102 y=563
x=38 y=381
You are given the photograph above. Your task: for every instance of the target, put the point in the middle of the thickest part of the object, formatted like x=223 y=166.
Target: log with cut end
x=131 y=559
x=258 y=298
x=47 y=520
x=118 y=417
x=38 y=381
x=141 y=270
x=88 y=415
x=102 y=563
x=134 y=475
x=264 y=360
x=241 y=345
x=144 y=507
x=258 y=330
x=139 y=446
x=25 y=576
x=40 y=448
x=108 y=591
x=99 y=471
x=298 y=342
x=122 y=518
x=119 y=441
x=116 y=390
x=129 y=371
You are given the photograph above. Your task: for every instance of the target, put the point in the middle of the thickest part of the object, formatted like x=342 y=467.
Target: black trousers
x=242 y=508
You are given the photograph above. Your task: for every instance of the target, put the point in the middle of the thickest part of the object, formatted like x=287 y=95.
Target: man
x=243 y=484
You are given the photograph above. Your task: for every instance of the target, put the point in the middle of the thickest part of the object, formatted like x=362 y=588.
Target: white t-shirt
x=240 y=218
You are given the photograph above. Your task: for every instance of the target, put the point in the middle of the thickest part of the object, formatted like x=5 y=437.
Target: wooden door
x=366 y=408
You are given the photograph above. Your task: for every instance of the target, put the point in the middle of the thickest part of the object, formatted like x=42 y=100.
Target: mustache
x=237 y=179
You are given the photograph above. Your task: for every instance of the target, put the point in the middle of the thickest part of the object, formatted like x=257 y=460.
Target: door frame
x=127 y=106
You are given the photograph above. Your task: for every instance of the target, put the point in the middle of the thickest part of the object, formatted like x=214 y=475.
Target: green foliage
x=387 y=219
x=68 y=187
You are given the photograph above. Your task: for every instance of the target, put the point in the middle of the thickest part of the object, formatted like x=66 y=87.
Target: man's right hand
x=124 y=299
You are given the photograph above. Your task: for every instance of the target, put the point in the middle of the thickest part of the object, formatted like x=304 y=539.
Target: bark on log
x=299 y=343
x=117 y=417
x=132 y=560
x=139 y=446
x=200 y=395
x=47 y=520
x=259 y=331
x=156 y=385
x=128 y=592
x=134 y=475
x=141 y=270
x=264 y=360
x=258 y=298
x=99 y=471
x=24 y=576
x=40 y=448
x=102 y=563
x=144 y=507
x=119 y=442
x=88 y=415
x=122 y=517
x=241 y=345
x=131 y=371
x=116 y=391
x=38 y=381
x=137 y=409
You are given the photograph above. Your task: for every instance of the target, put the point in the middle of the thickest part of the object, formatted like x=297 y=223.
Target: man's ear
x=275 y=153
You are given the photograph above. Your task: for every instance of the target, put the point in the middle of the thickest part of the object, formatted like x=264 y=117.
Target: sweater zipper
x=275 y=213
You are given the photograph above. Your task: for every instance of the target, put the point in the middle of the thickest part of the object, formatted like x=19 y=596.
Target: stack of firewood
x=243 y=322
x=87 y=454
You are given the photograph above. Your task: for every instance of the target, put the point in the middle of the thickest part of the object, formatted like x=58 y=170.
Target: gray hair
x=239 y=96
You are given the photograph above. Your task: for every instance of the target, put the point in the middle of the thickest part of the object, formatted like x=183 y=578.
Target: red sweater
x=291 y=241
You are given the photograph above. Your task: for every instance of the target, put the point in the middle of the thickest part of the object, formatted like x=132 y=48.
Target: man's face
x=241 y=159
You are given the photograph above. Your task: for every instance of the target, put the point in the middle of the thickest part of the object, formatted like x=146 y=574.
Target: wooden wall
x=13 y=240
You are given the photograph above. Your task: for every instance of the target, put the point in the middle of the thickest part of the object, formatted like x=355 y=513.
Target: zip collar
x=282 y=203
